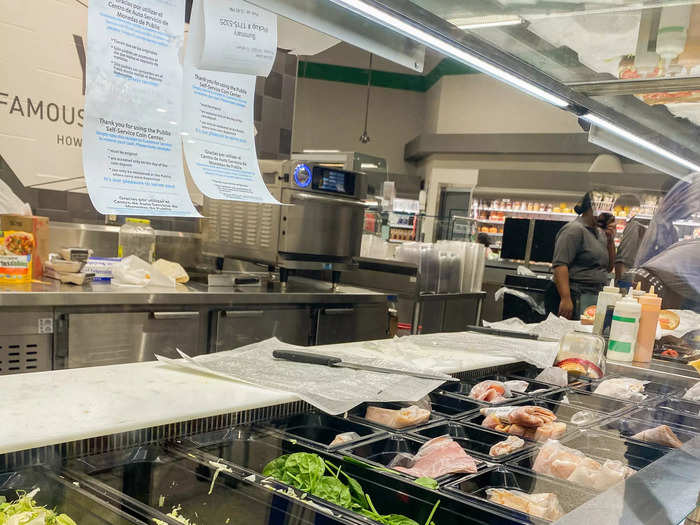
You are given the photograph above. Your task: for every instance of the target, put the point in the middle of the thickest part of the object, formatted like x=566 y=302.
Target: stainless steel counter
x=298 y=291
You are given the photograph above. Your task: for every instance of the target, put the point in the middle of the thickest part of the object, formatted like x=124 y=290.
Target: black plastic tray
x=476 y=441
x=689 y=408
x=358 y=414
x=601 y=446
x=158 y=479
x=603 y=404
x=64 y=497
x=626 y=427
x=654 y=391
x=667 y=417
x=382 y=451
x=321 y=429
x=391 y=494
x=563 y=412
x=570 y=496
x=451 y=406
x=530 y=373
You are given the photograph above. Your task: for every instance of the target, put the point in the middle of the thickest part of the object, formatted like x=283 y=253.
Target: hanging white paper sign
x=132 y=152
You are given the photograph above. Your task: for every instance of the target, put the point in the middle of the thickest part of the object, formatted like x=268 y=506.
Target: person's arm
x=620 y=270
x=610 y=235
x=561 y=280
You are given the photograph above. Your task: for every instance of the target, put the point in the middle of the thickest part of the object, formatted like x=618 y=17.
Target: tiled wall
x=274 y=114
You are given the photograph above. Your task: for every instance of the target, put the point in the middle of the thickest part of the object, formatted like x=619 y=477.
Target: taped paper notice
x=239 y=38
x=132 y=153
x=219 y=136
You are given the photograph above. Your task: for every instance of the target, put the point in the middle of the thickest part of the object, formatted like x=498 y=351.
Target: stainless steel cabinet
x=108 y=338
x=343 y=324
x=25 y=341
x=241 y=326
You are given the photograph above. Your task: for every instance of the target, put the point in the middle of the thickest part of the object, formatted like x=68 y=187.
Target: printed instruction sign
x=238 y=38
x=132 y=152
x=218 y=132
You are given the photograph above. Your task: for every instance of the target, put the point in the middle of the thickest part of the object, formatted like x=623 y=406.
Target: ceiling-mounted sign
x=132 y=153
x=238 y=37
x=218 y=131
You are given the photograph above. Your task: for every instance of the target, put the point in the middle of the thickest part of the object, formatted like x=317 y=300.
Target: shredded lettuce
x=25 y=511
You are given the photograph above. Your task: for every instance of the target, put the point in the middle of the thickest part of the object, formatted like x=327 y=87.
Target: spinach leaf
x=275 y=468
x=398 y=519
x=332 y=489
x=356 y=491
x=428 y=483
x=305 y=469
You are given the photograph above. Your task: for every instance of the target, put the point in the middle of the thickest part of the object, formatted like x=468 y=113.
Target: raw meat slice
x=553 y=430
x=555 y=459
x=531 y=416
x=344 y=438
x=508 y=446
x=438 y=457
x=404 y=417
x=490 y=391
x=661 y=435
x=543 y=505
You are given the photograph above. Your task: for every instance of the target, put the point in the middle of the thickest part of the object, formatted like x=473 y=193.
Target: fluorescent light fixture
x=486 y=21
x=612 y=128
x=369 y=165
x=415 y=33
x=161 y=110
x=321 y=151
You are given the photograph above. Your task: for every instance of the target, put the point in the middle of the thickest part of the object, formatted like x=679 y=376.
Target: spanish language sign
x=218 y=131
x=132 y=153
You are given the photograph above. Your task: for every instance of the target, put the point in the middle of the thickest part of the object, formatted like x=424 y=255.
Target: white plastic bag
x=11 y=203
x=537 y=307
x=134 y=272
x=172 y=269
x=554 y=376
x=693 y=393
x=622 y=388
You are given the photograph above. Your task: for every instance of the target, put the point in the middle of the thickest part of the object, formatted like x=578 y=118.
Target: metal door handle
x=338 y=311
x=310 y=197
x=244 y=313
x=175 y=315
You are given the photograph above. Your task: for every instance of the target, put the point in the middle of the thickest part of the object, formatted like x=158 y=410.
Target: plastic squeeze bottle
x=651 y=306
x=637 y=292
x=609 y=296
x=624 y=328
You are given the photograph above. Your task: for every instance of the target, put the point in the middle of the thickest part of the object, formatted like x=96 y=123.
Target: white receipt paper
x=240 y=38
x=132 y=153
x=218 y=131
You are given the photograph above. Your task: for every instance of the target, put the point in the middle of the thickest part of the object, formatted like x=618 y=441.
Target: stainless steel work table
x=53 y=326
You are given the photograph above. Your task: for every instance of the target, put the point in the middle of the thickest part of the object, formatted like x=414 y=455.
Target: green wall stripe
x=385 y=79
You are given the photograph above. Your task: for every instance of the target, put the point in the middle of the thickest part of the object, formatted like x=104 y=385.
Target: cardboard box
x=37 y=226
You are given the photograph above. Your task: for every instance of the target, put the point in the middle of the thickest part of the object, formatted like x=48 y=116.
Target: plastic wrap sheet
x=537 y=307
x=551 y=328
x=333 y=390
x=538 y=353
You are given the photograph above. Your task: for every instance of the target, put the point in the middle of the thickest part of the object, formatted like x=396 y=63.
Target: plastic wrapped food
x=693 y=393
x=507 y=446
x=661 y=435
x=438 y=457
x=404 y=417
x=555 y=459
x=517 y=385
x=490 y=391
x=582 y=355
x=554 y=376
x=544 y=505
x=622 y=388
x=345 y=437
x=584 y=417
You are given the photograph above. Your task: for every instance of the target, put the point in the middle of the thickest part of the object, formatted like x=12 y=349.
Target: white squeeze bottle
x=609 y=296
x=624 y=328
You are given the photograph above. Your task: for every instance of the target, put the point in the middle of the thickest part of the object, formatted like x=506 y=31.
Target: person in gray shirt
x=584 y=254
x=629 y=246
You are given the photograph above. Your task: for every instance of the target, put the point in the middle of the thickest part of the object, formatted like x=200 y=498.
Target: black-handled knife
x=329 y=360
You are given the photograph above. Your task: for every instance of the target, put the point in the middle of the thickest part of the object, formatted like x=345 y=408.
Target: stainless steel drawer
x=343 y=324
x=110 y=338
x=26 y=341
x=242 y=326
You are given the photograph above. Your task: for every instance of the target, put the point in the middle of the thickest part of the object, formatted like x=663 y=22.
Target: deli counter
x=146 y=442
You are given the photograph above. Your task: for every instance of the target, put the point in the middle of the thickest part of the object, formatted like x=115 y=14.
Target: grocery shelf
x=401 y=226
x=489 y=221
x=527 y=211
